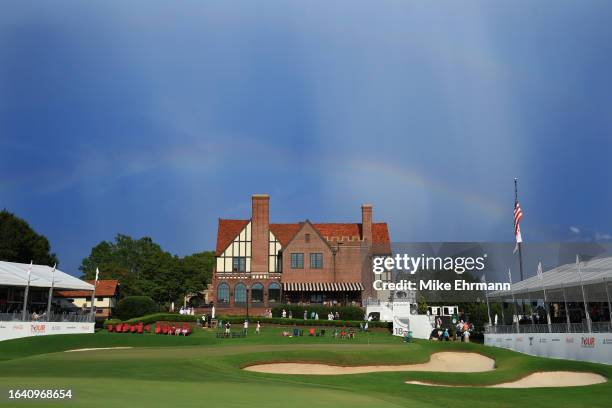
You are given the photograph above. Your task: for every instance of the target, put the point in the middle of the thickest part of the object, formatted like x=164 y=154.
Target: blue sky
x=156 y=118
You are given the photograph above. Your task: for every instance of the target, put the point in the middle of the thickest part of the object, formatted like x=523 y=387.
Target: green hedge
x=133 y=306
x=154 y=318
x=175 y=317
x=346 y=312
x=302 y=322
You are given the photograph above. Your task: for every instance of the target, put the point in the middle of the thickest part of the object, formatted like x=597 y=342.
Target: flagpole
x=567 y=315
x=25 y=294
x=487 y=298
x=608 y=298
x=520 y=244
x=513 y=302
x=93 y=297
x=541 y=278
x=51 y=293
x=586 y=306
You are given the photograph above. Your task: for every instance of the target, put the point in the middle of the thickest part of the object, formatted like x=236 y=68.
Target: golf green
x=201 y=370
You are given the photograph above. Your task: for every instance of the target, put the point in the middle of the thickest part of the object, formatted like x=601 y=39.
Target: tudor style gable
x=308 y=256
x=234 y=253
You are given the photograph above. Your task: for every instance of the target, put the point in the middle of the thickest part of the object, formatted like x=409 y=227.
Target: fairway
x=201 y=370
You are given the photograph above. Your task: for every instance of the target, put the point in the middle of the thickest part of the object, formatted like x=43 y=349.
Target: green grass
x=203 y=371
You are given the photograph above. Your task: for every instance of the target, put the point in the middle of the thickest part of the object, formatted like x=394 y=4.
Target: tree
x=144 y=268
x=20 y=243
x=197 y=270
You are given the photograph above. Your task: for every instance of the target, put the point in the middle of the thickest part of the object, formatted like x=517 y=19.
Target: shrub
x=163 y=317
x=345 y=312
x=302 y=322
x=154 y=318
x=110 y=321
x=133 y=306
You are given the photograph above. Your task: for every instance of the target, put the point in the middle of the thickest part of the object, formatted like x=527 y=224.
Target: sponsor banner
x=594 y=347
x=14 y=330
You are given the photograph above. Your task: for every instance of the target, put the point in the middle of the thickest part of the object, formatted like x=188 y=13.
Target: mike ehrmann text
x=434 y=284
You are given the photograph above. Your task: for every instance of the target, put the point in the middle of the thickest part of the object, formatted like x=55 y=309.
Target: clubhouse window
x=239 y=264
x=316 y=260
x=223 y=293
x=297 y=260
x=257 y=293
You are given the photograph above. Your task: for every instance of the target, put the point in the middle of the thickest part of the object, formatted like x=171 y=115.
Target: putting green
x=200 y=370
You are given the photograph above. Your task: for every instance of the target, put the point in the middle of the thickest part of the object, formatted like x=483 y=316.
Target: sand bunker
x=450 y=362
x=540 y=379
x=99 y=348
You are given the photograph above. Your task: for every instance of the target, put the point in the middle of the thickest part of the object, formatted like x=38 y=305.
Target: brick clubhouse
x=264 y=263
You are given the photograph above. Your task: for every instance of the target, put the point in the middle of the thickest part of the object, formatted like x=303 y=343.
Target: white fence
x=594 y=347
x=16 y=329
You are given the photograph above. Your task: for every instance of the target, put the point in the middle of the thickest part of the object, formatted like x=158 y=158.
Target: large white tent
x=16 y=274
x=597 y=271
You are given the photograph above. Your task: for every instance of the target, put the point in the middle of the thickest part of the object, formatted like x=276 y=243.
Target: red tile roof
x=104 y=288
x=284 y=232
x=229 y=229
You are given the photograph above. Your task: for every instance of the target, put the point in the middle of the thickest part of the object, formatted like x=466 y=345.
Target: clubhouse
x=261 y=264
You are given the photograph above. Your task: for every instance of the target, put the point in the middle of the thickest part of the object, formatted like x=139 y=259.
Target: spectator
x=316 y=316
x=246 y=325
x=290 y=314
x=228 y=328
x=305 y=314
x=257 y=328
x=337 y=316
x=446 y=335
x=284 y=314
x=366 y=327
x=466 y=336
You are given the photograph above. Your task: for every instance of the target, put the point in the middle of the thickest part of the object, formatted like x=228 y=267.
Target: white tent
x=16 y=274
x=595 y=271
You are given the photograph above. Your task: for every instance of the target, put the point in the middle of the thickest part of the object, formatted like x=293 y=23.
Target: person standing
x=284 y=314
x=246 y=326
x=257 y=327
x=305 y=314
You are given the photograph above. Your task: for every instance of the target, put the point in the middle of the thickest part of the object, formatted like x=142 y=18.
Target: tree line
x=141 y=266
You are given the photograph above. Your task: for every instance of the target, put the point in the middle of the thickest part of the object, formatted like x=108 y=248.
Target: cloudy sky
x=156 y=118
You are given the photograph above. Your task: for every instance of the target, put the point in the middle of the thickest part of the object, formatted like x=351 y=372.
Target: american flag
x=518 y=214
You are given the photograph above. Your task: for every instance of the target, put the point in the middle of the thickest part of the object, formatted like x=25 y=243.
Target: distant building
x=107 y=296
x=262 y=264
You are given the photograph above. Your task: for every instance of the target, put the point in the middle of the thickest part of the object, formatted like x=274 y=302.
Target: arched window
x=274 y=292
x=240 y=295
x=257 y=293
x=223 y=293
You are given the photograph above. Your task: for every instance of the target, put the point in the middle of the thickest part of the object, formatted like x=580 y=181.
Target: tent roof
x=594 y=271
x=16 y=274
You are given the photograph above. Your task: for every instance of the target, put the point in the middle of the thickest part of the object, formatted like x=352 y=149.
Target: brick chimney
x=366 y=222
x=260 y=227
